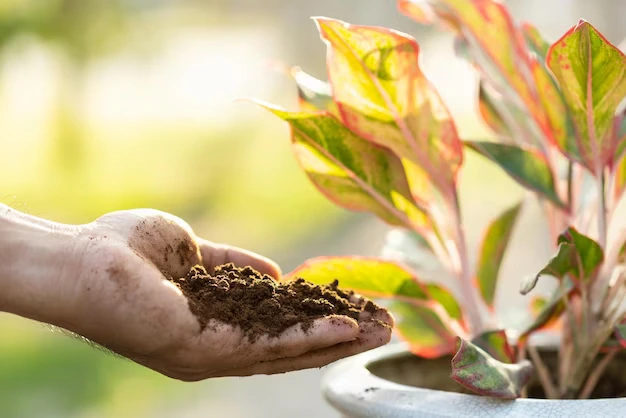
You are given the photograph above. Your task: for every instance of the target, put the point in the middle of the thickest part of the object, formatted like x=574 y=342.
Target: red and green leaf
x=550 y=311
x=561 y=127
x=537 y=44
x=619 y=168
x=488 y=109
x=497 y=48
x=384 y=97
x=369 y=277
x=351 y=172
x=475 y=369
x=529 y=168
x=592 y=76
x=426 y=315
x=496 y=344
x=492 y=252
x=446 y=299
x=426 y=327
x=313 y=94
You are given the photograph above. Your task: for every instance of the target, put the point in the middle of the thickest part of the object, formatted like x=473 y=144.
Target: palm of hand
x=126 y=305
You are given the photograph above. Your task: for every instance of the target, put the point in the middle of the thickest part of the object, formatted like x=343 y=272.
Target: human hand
x=120 y=298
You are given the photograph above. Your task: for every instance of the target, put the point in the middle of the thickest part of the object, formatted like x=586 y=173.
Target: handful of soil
x=259 y=305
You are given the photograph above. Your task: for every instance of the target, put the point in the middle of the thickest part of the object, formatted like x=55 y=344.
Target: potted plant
x=377 y=137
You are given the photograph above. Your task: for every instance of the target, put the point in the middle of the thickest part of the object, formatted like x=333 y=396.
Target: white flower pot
x=355 y=391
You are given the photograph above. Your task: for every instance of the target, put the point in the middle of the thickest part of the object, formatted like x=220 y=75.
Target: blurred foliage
x=232 y=182
x=80 y=27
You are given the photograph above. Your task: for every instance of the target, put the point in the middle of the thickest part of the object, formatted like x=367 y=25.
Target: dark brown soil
x=261 y=306
x=434 y=374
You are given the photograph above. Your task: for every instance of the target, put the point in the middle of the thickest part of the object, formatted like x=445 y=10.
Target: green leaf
x=490 y=113
x=577 y=255
x=478 y=371
x=558 y=266
x=527 y=167
x=551 y=310
x=496 y=344
x=313 y=94
x=425 y=327
x=537 y=44
x=350 y=171
x=561 y=127
x=592 y=75
x=384 y=97
x=369 y=277
x=426 y=315
x=492 y=251
x=446 y=299
x=589 y=253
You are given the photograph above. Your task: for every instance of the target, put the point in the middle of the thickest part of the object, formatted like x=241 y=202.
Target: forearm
x=35 y=256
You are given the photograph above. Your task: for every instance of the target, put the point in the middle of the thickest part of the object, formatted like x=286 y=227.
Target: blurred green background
x=117 y=104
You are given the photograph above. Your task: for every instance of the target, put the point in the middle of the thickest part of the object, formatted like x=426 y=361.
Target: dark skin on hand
x=108 y=281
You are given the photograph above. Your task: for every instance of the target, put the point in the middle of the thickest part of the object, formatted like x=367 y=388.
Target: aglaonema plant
x=377 y=137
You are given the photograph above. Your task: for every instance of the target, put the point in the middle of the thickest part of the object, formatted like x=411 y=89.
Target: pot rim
x=347 y=385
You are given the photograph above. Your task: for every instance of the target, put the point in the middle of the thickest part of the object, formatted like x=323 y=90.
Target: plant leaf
x=592 y=75
x=492 y=251
x=527 y=167
x=384 y=97
x=313 y=94
x=490 y=113
x=619 y=165
x=367 y=276
x=350 y=171
x=577 y=255
x=562 y=131
x=558 y=266
x=425 y=326
x=496 y=344
x=478 y=371
x=446 y=299
x=589 y=252
x=498 y=50
x=493 y=246
x=551 y=310
x=537 y=44
x=421 y=311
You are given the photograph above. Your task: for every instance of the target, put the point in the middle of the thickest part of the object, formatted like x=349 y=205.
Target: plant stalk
x=586 y=359
x=543 y=373
x=571 y=205
x=596 y=374
x=464 y=274
x=602 y=227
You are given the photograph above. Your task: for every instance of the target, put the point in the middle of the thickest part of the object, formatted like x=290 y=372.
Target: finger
x=372 y=334
x=370 y=310
x=214 y=255
x=322 y=332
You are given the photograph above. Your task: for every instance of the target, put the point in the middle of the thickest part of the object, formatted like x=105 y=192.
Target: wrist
x=35 y=256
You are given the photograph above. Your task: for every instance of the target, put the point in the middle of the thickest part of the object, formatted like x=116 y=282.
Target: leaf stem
x=596 y=374
x=602 y=230
x=464 y=274
x=543 y=373
x=570 y=189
